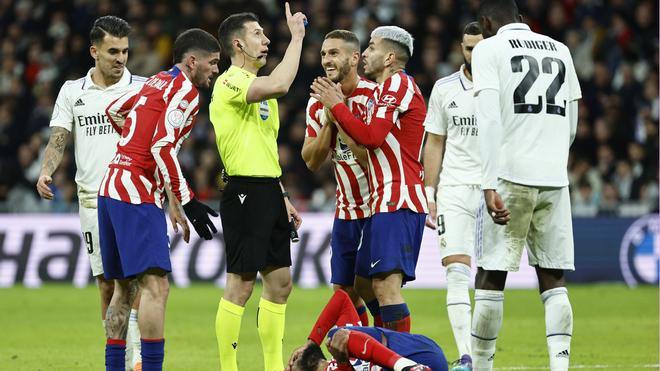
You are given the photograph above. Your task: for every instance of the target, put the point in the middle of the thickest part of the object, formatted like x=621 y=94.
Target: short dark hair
x=194 y=39
x=230 y=26
x=108 y=25
x=502 y=11
x=472 y=28
x=345 y=35
x=401 y=51
x=310 y=357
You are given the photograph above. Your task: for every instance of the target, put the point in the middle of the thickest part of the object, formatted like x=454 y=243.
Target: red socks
x=339 y=311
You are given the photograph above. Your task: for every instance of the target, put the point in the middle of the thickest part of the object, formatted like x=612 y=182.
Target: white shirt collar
x=126 y=79
x=514 y=26
x=467 y=84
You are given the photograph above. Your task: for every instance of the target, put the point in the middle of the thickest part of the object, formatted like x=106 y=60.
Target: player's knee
x=550 y=278
x=351 y=291
x=490 y=280
x=106 y=287
x=463 y=259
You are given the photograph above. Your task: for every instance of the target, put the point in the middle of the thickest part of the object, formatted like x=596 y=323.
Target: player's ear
x=355 y=58
x=93 y=52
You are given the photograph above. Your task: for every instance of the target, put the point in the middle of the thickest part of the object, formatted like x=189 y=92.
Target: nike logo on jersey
x=452 y=105
x=364 y=350
x=373 y=264
x=79 y=102
x=242 y=198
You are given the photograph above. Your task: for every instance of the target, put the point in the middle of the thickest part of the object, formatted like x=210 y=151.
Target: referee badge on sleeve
x=264 y=110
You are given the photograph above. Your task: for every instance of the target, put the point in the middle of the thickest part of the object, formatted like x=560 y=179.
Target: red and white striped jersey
x=157 y=120
x=352 y=181
x=393 y=136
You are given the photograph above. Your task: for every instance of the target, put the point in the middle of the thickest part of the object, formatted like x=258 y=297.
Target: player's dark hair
x=194 y=39
x=230 y=26
x=401 y=51
x=344 y=35
x=501 y=11
x=310 y=357
x=108 y=25
x=472 y=28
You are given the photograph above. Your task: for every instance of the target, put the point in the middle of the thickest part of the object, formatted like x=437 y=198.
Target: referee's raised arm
x=257 y=218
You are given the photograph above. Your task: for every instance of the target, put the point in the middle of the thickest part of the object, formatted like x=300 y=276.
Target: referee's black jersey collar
x=514 y=26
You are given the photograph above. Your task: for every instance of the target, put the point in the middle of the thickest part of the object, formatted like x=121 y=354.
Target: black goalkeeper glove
x=198 y=214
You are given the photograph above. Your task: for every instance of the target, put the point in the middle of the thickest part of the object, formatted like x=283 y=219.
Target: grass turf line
x=58 y=327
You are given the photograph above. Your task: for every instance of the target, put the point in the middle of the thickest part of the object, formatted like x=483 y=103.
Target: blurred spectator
x=614 y=159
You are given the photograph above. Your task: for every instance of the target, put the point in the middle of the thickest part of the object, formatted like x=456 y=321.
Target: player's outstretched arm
x=279 y=81
x=52 y=158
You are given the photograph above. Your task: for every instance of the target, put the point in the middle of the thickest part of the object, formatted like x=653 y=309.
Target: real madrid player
x=526 y=92
x=256 y=212
x=81 y=109
x=452 y=145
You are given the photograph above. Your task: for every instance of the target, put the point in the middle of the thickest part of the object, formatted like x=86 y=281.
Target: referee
x=255 y=209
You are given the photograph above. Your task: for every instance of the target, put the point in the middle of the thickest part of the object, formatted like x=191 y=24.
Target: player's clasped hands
x=327 y=92
x=296 y=22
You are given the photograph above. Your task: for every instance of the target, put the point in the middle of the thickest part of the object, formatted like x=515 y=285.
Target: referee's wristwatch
x=286 y=195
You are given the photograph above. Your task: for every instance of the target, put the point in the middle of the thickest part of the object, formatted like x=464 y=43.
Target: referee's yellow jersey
x=246 y=134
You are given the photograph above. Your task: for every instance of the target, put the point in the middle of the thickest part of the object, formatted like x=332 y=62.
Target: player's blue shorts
x=417 y=348
x=346 y=239
x=134 y=238
x=391 y=242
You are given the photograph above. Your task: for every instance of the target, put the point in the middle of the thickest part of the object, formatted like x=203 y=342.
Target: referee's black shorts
x=255 y=225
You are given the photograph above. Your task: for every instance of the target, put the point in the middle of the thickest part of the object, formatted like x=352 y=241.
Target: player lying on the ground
x=363 y=348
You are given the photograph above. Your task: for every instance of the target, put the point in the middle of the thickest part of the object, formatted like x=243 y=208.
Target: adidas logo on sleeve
x=79 y=103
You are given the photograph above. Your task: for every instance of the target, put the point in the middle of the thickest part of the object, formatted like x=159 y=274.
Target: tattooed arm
x=52 y=159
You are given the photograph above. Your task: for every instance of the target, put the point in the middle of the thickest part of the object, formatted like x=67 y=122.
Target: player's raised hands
x=296 y=22
x=326 y=92
x=496 y=208
x=43 y=188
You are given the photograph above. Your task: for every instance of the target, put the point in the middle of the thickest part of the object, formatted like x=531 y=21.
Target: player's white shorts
x=457 y=213
x=89 y=226
x=540 y=219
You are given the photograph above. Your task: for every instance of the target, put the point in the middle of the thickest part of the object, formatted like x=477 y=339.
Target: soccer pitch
x=58 y=328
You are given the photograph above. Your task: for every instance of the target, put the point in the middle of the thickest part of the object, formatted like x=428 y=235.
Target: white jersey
x=535 y=78
x=81 y=109
x=451 y=113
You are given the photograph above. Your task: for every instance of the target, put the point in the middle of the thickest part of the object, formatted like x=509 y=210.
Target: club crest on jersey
x=175 y=118
x=264 y=111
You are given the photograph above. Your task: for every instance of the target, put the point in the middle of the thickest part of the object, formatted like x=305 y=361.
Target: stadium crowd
x=613 y=167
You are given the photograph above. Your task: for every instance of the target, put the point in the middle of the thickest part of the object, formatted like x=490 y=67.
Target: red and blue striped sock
x=374 y=309
x=115 y=354
x=153 y=353
x=396 y=317
x=364 y=317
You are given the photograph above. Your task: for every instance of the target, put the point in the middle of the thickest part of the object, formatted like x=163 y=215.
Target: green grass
x=58 y=327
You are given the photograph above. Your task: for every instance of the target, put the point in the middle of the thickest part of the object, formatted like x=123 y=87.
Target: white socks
x=133 y=345
x=486 y=324
x=459 y=308
x=558 y=326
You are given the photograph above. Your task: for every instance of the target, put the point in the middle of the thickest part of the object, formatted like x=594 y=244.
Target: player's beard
x=342 y=72
x=468 y=65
